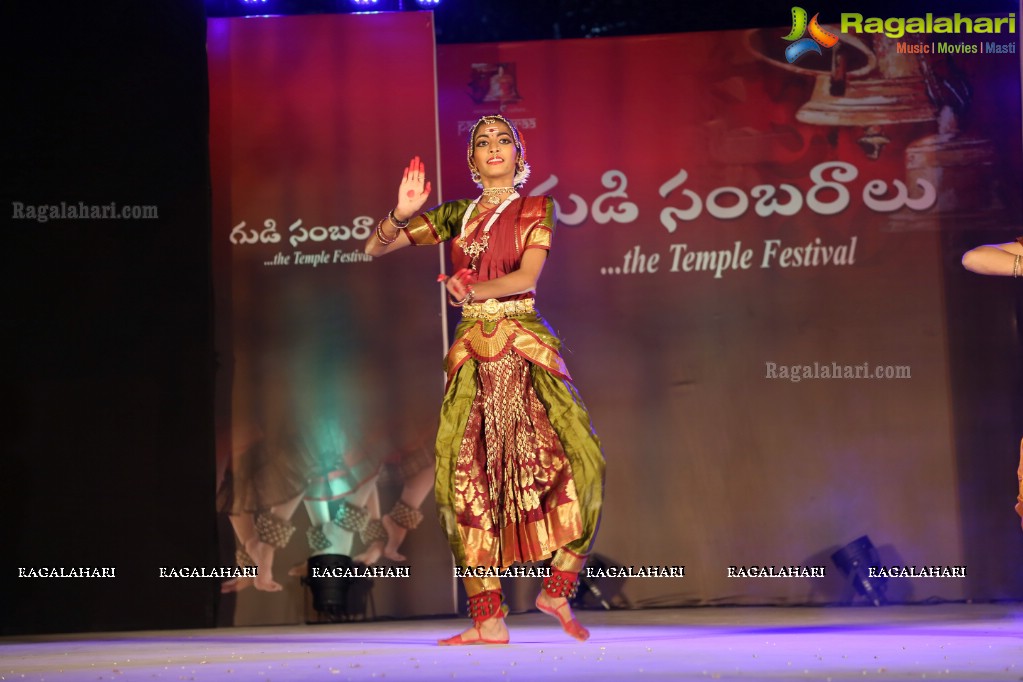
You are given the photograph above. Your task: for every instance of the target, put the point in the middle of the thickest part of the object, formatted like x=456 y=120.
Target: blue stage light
x=364 y=3
x=428 y=3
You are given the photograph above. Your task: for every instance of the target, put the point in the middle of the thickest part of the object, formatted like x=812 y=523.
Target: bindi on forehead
x=491 y=131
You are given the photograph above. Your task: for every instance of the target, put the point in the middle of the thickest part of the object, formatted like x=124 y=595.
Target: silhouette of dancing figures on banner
x=339 y=486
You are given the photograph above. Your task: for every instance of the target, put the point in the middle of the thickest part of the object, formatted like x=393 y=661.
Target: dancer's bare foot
x=562 y=610
x=490 y=631
x=395 y=536
x=263 y=554
x=371 y=554
x=299 y=570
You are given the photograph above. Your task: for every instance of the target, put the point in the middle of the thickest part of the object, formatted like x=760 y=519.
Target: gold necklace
x=491 y=194
x=477 y=247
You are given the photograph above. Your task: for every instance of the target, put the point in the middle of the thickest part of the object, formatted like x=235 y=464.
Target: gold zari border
x=507 y=335
x=483 y=548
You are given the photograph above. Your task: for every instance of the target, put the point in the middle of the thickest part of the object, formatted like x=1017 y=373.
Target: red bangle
x=380 y=235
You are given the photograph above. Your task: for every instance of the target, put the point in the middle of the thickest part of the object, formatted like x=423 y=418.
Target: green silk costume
x=519 y=473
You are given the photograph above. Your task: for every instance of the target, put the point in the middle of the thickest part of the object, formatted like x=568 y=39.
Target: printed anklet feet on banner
x=398 y=522
x=351 y=518
x=242 y=558
x=405 y=516
x=273 y=530
x=487 y=611
x=558 y=588
x=317 y=538
x=373 y=532
x=373 y=536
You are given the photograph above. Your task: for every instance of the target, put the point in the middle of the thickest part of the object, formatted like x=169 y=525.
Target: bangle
x=398 y=224
x=470 y=296
x=380 y=235
x=1015 y=265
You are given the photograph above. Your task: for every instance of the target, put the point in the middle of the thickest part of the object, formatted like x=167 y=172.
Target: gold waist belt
x=492 y=309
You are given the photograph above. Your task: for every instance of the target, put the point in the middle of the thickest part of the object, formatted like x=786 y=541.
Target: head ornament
x=521 y=167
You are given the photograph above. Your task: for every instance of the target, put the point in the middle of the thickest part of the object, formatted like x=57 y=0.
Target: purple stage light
x=428 y=3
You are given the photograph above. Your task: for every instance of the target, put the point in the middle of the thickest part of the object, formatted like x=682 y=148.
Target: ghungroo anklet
x=351 y=518
x=405 y=516
x=373 y=532
x=485 y=605
x=561 y=584
x=272 y=529
x=318 y=540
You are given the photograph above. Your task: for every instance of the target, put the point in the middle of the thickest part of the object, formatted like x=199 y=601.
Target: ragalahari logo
x=818 y=36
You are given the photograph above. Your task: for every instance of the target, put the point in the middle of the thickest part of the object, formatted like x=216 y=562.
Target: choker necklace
x=476 y=248
x=492 y=193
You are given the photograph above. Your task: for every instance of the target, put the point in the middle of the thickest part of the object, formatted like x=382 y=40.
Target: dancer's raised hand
x=413 y=191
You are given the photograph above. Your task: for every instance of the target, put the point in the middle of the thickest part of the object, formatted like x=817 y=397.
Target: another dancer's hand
x=413 y=191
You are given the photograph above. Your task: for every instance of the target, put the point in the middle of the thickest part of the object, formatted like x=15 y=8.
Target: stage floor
x=934 y=642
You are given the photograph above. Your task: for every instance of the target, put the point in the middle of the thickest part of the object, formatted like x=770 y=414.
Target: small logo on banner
x=494 y=83
x=819 y=37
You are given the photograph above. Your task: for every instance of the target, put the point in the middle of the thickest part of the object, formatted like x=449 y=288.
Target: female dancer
x=1006 y=260
x=519 y=473
x=996 y=259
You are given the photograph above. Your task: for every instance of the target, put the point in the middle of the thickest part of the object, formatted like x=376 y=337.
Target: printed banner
x=748 y=272
x=328 y=390
x=748 y=275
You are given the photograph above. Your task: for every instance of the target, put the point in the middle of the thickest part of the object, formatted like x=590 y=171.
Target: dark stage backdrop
x=107 y=324
x=736 y=229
